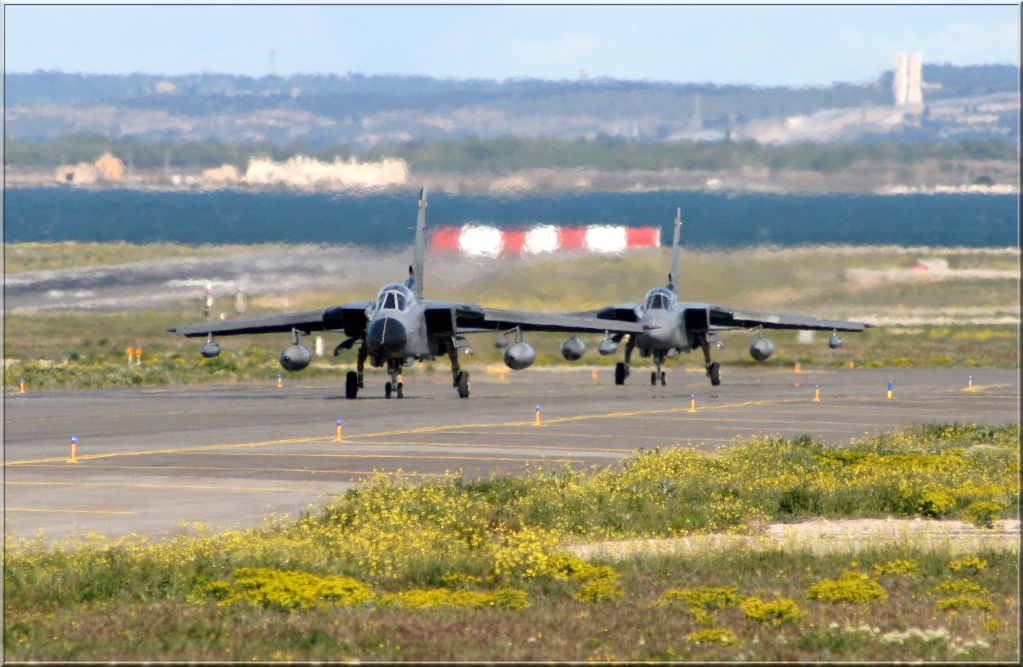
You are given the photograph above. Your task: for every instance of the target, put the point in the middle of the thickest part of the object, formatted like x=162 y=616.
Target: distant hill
x=366 y=112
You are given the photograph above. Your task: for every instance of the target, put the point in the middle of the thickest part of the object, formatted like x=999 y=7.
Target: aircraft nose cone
x=655 y=334
x=387 y=337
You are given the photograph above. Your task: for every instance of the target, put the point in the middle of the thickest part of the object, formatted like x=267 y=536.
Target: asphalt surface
x=154 y=460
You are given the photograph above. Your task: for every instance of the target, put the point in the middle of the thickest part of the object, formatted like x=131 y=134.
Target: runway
x=155 y=460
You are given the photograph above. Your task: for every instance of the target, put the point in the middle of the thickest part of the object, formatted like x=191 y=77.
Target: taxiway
x=155 y=460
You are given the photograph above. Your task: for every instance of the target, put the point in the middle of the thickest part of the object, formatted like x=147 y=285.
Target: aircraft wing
x=727 y=318
x=349 y=317
x=497 y=319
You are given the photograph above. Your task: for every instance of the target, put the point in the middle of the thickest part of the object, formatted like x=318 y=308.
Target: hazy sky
x=760 y=45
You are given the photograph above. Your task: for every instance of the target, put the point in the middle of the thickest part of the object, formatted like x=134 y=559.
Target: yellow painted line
x=25 y=509
x=177 y=450
x=58 y=418
x=156 y=486
x=426 y=429
x=558 y=420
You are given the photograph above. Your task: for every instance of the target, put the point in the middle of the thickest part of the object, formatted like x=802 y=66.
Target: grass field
x=457 y=570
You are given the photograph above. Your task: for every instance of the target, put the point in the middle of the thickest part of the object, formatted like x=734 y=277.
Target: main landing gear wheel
x=715 y=373
x=621 y=372
x=400 y=390
x=387 y=390
x=664 y=379
x=463 y=385
x=351 y=384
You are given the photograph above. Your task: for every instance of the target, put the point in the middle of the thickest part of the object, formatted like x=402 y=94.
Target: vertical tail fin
x=415 y=281
x=673 y=276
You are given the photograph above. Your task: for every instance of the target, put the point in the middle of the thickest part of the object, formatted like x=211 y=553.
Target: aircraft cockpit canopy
x=394 y=297
x=659 y=298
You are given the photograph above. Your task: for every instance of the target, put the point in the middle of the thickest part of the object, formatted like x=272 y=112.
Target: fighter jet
x=671 y=325
x=402 y=327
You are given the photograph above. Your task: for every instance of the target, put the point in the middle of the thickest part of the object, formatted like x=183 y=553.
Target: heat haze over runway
x=150 y=460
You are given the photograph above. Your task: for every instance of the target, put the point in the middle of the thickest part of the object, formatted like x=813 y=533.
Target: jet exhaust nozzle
x=295 y=357
x=761 y=349
x=519 y=355
x=572 y=349
x=387 y=337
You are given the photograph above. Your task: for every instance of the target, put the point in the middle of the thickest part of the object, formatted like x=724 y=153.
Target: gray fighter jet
x=671 y=325
x=401 y=327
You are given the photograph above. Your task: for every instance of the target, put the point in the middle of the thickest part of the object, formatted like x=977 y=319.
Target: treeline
x=55 y=87
x=615 y=154
x=511 y=154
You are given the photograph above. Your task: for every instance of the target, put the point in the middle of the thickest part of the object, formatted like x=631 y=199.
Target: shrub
x=964 y=602
x=505 y=598
x=704 y=597
x=598 y=590
x=934 y=502
x=849 y=587
x=906 y=567
x=974 y=563
x=799 y=501
x=959 y=587
x=771 y=613
x=714 y=636
x=983 y=514
x=287 y=591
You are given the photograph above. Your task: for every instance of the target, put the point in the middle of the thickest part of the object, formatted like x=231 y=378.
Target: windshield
x=659 y=299
x=393 y=297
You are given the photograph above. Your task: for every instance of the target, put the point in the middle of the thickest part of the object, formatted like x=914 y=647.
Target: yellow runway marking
x=350 y=437
x=158 y=486
x=26 y=509
x=176 y=450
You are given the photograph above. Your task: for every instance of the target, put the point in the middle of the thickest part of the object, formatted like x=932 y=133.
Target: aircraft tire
x=351 y=385
x=715 y=373
x=401 y=388
x=653 y=378
x=620 y=373
x=387 y=390
x=463 y=385
x=664 y=379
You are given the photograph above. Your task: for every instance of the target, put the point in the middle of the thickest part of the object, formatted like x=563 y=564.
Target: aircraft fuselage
x=396 y=328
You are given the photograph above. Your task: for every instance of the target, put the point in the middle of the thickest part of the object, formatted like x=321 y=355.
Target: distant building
x=907 y=84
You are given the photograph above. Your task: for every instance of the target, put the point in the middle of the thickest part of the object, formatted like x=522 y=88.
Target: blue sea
x=710 y=220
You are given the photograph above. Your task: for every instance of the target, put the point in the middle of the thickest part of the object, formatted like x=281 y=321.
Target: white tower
x=907 y=84
x=914 y=94
x=900 y=82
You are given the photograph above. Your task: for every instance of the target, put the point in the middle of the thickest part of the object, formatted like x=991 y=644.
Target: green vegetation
x=20 y=257
x=483 y=570
x=508 y=154
x=513 y=154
